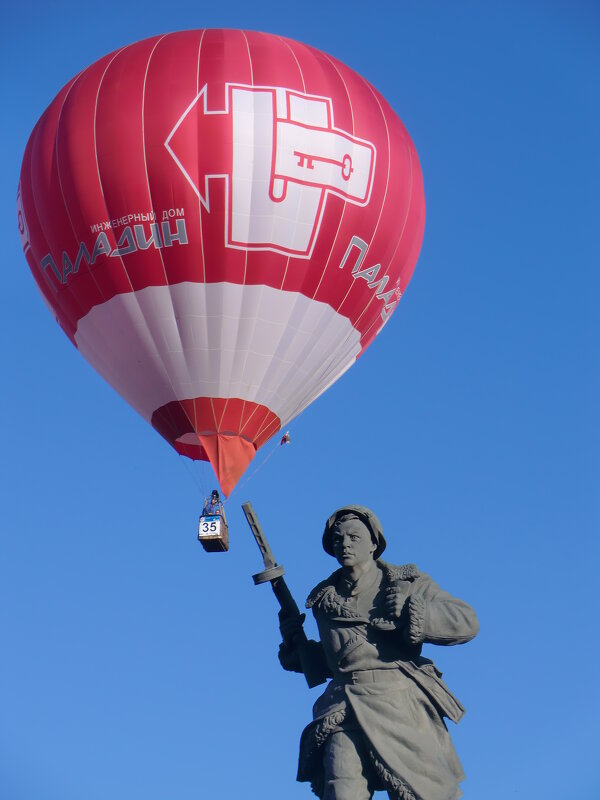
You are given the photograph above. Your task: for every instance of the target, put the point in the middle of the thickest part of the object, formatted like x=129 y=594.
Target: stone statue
x=379 y=725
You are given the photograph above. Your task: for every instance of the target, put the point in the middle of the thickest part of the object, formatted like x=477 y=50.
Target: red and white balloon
x=221 y=222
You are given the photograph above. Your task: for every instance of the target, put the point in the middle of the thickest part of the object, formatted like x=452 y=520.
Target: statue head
x=363 y=515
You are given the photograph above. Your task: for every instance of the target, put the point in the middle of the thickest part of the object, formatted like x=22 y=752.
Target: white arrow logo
x=281 y=154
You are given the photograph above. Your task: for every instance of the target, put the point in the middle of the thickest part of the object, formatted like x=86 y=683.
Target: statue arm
x=290 y=660
x=289 y=657
x=436 y=617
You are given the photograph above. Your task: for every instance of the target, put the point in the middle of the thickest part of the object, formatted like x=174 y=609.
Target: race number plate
x=209 y=527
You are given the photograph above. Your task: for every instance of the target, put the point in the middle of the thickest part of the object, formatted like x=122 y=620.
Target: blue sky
x=134 y=665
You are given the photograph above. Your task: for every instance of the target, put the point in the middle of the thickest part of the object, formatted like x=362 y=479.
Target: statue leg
x=346 y=766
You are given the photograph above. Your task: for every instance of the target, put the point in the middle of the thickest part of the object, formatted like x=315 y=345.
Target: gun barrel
x=273 y=573
x=261 y=539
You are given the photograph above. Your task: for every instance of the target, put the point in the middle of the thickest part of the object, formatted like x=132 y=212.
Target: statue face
x=352 y=543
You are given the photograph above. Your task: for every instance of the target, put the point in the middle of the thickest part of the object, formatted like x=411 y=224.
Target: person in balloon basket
x=379 y=725
x=213 y=506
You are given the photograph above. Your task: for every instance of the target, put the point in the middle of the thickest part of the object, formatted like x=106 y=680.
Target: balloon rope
x=200 y=485
x=252 y=474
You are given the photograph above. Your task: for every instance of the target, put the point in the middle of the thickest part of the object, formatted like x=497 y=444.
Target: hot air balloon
x=221 y=221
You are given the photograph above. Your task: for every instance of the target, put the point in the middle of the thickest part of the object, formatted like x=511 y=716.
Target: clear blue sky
x=134 y=665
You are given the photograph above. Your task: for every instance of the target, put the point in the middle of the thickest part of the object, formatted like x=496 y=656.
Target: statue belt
x=426 y=679
x=392 y=675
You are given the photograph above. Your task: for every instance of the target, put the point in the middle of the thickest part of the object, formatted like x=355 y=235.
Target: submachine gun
x=273 y=574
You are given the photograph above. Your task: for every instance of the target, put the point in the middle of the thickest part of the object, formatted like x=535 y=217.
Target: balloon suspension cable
x=201 y=486
x=260 y=466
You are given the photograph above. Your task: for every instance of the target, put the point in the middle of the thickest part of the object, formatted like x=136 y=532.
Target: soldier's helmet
x=366 y=516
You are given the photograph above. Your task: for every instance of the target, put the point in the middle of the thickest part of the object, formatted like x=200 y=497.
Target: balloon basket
x=213 y=534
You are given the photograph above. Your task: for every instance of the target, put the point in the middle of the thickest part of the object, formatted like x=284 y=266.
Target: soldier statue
x=379 y=725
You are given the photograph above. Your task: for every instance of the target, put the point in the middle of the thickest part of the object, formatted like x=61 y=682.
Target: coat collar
x=391 y=574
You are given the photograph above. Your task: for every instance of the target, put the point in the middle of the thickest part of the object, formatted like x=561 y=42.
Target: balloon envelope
x=221 y=221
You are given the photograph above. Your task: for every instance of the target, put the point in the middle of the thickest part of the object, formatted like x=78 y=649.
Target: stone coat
x=381 y=684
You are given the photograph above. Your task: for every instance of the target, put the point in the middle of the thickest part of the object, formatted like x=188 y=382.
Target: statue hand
x=290 y=627
x=394 y=601
x=289 y=659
